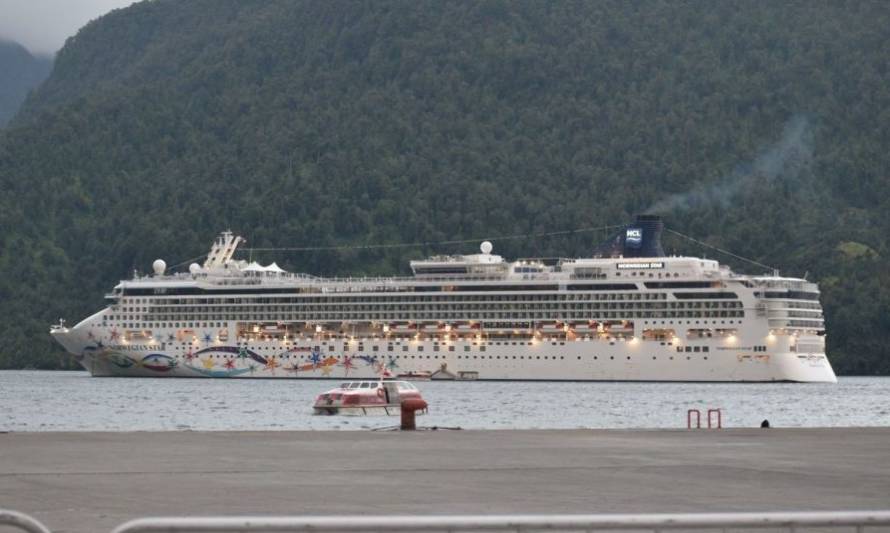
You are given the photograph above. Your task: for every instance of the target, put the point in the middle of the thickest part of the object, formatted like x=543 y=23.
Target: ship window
x=466 y=348
x=404 y=348
x=420 y=348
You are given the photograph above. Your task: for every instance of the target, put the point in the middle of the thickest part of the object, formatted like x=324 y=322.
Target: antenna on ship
x=222 y=250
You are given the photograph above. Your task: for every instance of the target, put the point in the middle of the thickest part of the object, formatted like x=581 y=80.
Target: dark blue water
x=74 y=401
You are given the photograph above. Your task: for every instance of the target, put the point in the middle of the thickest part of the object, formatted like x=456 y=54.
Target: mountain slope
x=21 y=72
x=758 y=128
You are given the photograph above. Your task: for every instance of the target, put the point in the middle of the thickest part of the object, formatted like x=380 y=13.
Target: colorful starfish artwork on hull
x=271 y=364
x=347 y=365
x=309 y=367
x=368 y=359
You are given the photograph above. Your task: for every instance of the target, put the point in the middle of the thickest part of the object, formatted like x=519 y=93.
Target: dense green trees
x=303 y=123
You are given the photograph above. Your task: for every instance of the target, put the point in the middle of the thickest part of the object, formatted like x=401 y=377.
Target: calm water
x=73 y=401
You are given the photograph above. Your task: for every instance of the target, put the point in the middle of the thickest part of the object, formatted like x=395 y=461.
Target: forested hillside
x=19 y=73
x=759 y=127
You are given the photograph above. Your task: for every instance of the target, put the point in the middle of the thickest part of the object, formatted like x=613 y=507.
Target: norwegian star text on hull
x=630 y=313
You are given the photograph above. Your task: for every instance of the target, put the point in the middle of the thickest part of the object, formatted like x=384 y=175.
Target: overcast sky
x=43 y=25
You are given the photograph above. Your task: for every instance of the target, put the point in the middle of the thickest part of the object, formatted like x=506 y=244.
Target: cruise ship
x=627 y=313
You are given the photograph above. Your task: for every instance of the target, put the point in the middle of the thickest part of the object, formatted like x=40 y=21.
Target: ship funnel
x=643 y=237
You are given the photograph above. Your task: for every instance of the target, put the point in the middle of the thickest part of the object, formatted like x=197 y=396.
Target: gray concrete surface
x=90 y=482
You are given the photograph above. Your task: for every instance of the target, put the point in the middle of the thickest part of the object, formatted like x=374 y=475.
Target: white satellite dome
x=195 y=268
x=486 y=247
x=159 y=266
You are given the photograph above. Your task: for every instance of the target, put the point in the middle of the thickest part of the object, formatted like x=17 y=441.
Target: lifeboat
x=382 y=397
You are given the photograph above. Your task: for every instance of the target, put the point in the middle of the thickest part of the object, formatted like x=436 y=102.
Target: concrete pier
x=91 y=482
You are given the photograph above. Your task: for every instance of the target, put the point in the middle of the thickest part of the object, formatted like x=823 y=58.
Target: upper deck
x=609 y=270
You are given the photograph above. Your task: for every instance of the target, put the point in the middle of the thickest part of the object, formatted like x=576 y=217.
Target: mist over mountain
x=317 y=123
x=19 y=73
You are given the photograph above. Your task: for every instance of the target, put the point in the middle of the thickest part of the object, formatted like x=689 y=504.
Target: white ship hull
x=576 y=360
x=631 y=315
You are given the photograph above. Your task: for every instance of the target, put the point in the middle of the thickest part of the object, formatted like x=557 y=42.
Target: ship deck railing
x=858 y=521
x=347 y=283
x=289 y=278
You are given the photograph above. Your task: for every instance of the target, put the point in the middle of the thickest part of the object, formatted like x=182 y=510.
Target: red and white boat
x=383 y=397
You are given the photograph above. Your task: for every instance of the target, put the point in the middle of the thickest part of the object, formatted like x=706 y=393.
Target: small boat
x=420 y=375
x=383 y=397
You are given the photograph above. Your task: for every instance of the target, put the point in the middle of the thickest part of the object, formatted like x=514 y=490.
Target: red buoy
x=409 y=408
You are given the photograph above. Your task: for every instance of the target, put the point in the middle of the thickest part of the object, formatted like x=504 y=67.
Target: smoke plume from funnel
x=781 y=161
